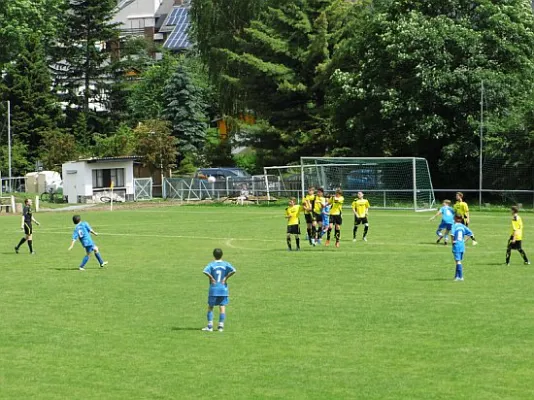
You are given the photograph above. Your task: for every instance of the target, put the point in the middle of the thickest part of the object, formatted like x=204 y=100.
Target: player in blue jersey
x=460 y=234
x=325 y=214
x=447 y=219
x=82 y=232
x=218 y=272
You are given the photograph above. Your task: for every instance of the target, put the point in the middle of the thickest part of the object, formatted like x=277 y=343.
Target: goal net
x=388 y=182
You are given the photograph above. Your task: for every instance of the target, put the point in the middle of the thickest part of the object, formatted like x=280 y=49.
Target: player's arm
x=367 y=206
x=72 y=244
x=34 y=220
x=228 y=277
x=212 y=279
x=516 y=227
x=22 y=222
x=436 y=215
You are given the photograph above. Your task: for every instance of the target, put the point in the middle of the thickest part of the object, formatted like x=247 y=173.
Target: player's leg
x=509 y=251
x=355 y=229
x=288 y=241
x=27 y=231
x=85 y=260
x=99 y=258
x=439 y=232
x=209 y=315
x=29 y=240
x=365 y=229
x=459 y=275
x=337 y=233
x=519 y=248
x=222 y=315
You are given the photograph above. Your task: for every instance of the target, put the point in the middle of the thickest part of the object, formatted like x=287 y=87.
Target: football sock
x=309 y=230
x=30 y=245
x=210 y=319
x=21 y=243
x=84 y=261
x=354 y=230
x=438 y=232
x=99 y=258
x=337 y=234
x=365 y=230
x=288 y=240
x=328 y=233
x=297 y=240
x=459 y=272
x=508 y=254
x=524 y=255
x=222 y=317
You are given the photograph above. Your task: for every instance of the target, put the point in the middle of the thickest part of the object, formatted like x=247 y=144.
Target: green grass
x=377 y=320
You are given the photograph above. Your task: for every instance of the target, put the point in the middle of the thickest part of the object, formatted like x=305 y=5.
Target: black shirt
x=27 y=214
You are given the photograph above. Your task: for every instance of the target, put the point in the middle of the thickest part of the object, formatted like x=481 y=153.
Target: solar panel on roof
x=179 y=38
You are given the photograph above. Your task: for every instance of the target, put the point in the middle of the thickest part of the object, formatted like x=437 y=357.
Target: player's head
x=515 y=209
x=292 y=201
x=327 y=196
x=320 y=191
x=360 y=195
x=446 y=202
x=76 y=219
x=458 y=218
x=339 y=192
x=217 y=254
x=28 y=202
x=311 y=190
x=459 y=196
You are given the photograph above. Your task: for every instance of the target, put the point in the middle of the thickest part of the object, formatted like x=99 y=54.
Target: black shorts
x=317 y=217
x=336 y=219
x=293 y=229
x=358 y=220
x=464 y=221
x=514 y=246
x=28 y=229
x=309 y=218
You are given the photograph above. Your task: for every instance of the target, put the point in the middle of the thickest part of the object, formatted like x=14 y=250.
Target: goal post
x=388 y=182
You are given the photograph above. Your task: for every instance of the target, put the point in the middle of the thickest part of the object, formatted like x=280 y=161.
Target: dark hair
x=515 y=209
x=76 y=219
x=217 y=254
x=339 y=191
x=26 y=201
x=320 y=190
x=458 y=218
x=460 y=194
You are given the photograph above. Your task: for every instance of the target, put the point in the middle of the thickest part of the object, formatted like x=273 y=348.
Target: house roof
x=109 y=159
x=177 y=23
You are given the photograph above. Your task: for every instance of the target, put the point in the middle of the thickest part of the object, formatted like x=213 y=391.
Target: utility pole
x=481 y=151
x=9 y=144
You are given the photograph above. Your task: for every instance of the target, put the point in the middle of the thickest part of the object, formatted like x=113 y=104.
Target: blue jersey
x=459 y=233
x=219 y=270
x=326 y=214
x=82 y=231
x=447 y=214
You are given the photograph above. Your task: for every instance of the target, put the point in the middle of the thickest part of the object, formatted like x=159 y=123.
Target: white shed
x=87 y=180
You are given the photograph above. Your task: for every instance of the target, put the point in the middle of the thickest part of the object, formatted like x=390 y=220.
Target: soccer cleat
x=337 y=244
x=527 y=262
x=103 y=264
x=289 y=249
x=32 y=253
x=297 y=249
x=445 y=243
x=17 y=250
x=354 y=239
x=459 y=279
x=208 y=329
x=507 y=264
x=220 y=328
x=327 y=243
x=365 y=239
x=437 y=241
x=475 y=243
x=82 y=269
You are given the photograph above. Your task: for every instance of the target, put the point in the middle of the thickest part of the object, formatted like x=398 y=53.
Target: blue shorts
x=90 y=248
x=445 y=225
x=458 y=255
x=217 y=301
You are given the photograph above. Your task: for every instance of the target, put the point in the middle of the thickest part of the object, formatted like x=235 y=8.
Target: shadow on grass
x=181 y=328
x=66 y=269
x=434 y=279
x=501 y=264
x=431 y=244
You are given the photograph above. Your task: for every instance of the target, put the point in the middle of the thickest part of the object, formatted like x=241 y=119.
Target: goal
x=388 y=182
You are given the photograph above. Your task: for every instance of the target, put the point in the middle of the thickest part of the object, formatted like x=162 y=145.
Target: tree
x=84 y=66
x=409 y=78
x=27 y=85
x=57 y=147
x=155 y=144
x=186 y=110
x=121 y=143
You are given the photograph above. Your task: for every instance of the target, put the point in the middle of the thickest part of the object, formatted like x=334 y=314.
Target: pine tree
x=27 y=83
x=186 y=110
x=84 y=68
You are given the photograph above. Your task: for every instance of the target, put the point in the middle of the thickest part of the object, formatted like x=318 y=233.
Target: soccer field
x=375 y=320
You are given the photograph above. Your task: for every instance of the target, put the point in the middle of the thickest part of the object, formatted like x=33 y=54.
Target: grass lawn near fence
x=375 y=320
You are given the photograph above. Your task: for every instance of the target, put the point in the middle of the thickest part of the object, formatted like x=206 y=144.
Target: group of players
x=323 y=214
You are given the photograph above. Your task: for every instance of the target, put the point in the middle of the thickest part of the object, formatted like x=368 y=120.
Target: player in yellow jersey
x=336 y=219
x=318 y=206
x=307 y=203
x=462 y=209
x=514 y=243
x=293 y=223
x=360 y=208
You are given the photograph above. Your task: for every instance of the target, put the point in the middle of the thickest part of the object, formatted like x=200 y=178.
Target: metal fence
x=12 y=185
x=143 y=189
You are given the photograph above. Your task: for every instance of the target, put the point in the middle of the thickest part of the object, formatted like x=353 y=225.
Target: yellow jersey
x=308 y=201
x=319 y=204
x=337 y=205
x=360 y=206
x=293 y=212
x=517 y=227
x=461 y=208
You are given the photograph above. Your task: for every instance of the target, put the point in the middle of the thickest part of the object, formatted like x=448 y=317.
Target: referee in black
x=26 y=226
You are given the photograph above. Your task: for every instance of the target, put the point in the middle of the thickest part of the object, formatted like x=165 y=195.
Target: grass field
x=376 y=320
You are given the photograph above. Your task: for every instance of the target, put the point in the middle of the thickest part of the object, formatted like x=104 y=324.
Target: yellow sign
x=112 y=185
